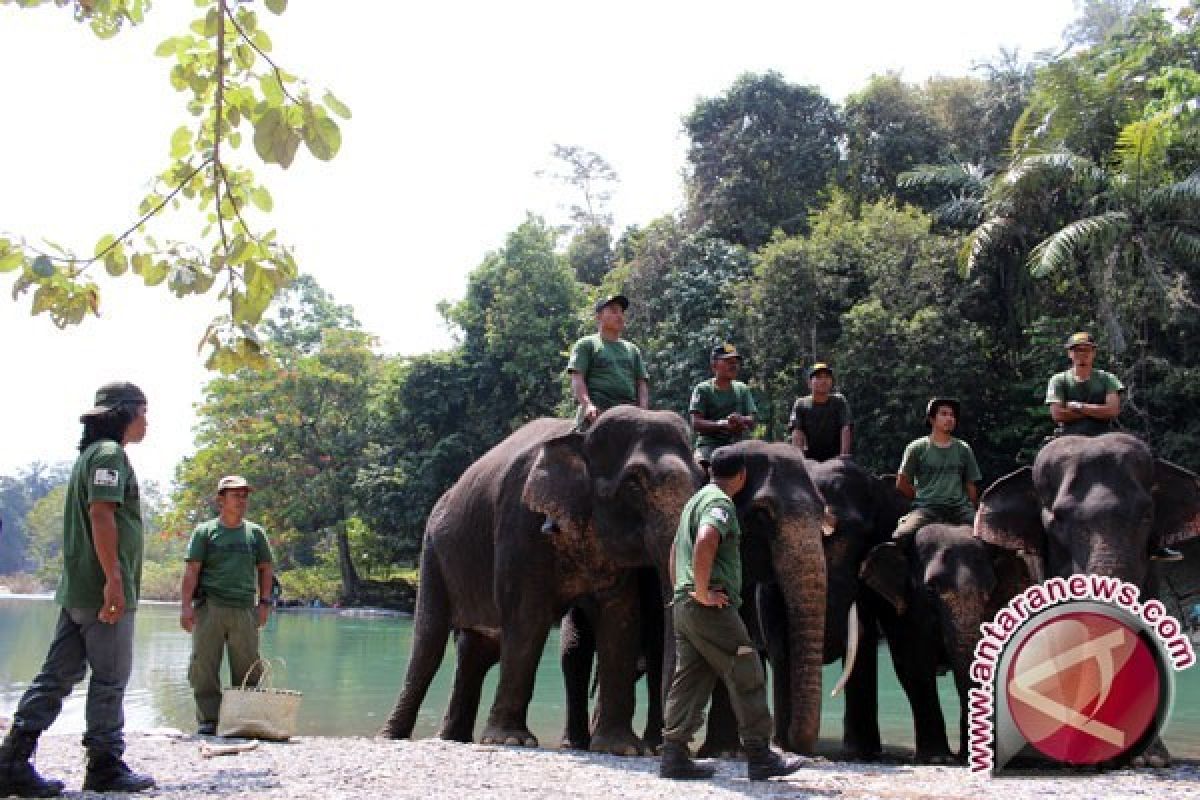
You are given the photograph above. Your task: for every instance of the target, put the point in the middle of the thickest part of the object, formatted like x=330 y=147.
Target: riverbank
x=312 y=767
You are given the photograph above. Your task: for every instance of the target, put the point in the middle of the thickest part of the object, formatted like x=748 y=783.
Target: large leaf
x=1058 y=252
x=274 y=141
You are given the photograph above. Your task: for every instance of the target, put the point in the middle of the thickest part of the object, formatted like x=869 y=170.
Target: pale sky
x=456 y=105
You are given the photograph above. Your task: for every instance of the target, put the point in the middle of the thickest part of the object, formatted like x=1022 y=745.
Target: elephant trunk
x=800 y=567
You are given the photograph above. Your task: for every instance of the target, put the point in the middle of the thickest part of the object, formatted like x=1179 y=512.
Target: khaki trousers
x=217 y=628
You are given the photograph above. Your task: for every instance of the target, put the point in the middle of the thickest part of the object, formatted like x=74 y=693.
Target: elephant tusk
x=852 y=636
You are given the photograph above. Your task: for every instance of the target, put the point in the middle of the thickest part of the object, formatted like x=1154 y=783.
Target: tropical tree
x=235 y=89
x=760 y=158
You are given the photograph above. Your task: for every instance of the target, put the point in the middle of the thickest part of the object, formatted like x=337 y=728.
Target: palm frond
x=952 y=177
x=1062 y=164
x=1141 y=146
x=1181 y=198
x=1184 y=246
x=984 y=240
x=1057 y=252
x=961 y=212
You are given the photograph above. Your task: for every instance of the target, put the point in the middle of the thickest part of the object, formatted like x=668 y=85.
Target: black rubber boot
x=108 y=773
x=17 y=775
x=762 y=762
x=677 y=764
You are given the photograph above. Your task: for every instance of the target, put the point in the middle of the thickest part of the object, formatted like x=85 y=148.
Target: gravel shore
x=319 y=767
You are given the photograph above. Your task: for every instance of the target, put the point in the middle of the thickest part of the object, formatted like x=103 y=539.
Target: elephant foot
x=617 y=743
x=1155 y=757
x=569 y=742
x=510 y=737
x=652 y=741
x=946 y=759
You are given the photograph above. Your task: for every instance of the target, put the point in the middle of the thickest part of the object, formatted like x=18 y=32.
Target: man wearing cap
x=605 y=369
x=98 y=592
x=820 y=423
x=711 y=640
x=722 y=408
x=938 y=473
x=1083 y=400
x=228 y=564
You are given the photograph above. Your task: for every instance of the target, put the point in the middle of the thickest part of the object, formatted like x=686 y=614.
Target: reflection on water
x=350 y=669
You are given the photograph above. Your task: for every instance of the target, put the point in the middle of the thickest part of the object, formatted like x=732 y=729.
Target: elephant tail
x=431 y=630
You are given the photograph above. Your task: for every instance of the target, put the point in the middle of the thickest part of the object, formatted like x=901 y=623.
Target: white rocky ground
x=345 y=768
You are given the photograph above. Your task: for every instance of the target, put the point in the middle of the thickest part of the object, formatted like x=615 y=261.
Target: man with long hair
x=98 y=592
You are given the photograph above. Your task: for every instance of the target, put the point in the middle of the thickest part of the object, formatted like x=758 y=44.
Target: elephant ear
x=1010 y=515
x=885 y=571
x=559 y=484
x=1012 y=577
x=889 y=504
x=1176 y=503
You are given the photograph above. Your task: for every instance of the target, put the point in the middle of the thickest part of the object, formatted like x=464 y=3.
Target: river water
x=350 y=668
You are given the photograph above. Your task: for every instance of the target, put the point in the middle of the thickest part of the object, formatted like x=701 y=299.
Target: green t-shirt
x=709 y=506
x=229 y=559
x=610 y=370
x=821 y=424
x=714 y=404
x=1064 y=388
x=939 y=473
x=102 y=474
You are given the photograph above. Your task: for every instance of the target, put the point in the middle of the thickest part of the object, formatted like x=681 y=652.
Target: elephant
x=935 y=598
x=781 y=515
x=1094 y=505
x=491 y=575
x=860 y=510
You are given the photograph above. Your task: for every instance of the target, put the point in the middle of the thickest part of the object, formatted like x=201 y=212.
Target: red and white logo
x=1084 y=688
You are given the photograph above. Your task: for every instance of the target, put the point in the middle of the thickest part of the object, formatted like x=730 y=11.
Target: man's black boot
x=17 y=775
x=1165 y=554
x=762 y=762
x=108 y=773
x=677 y=764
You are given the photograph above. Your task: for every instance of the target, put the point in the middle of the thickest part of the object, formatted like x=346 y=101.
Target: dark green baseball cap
x=619 y=299
x=119 y=394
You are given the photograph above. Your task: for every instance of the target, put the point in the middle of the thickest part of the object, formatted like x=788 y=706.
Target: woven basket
x=261 y=712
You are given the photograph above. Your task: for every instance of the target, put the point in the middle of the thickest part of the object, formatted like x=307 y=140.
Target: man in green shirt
x=1083 y=400
x=722 y=408
x=938 y=473
x=228 y=563
x=605 y=369
x=711 y=640
x=820 y=423
x=98 y=591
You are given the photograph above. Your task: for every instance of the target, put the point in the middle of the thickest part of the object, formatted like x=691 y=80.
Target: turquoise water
x=350 y=669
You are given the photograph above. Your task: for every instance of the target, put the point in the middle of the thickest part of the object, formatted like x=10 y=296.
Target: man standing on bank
x=98 y=592
x=711 y=640
x=722 y=408
x=821 y=424
x=1085 y=401
x=228 y=561
x=938 y=473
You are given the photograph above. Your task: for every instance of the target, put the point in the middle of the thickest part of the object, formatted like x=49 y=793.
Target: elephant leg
x=917 y=672
x=476 y=653
x=617 y=637
x=772 y=616
x=651 y=616
x=430 y=632
x=523 y=637
x=577 y=651
x=860 y=722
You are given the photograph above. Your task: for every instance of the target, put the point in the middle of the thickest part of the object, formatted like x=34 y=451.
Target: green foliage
x=223 y=64
x=761 y=156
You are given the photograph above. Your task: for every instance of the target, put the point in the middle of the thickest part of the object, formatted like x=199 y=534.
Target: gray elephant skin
x=934 y=598
x=493 y=578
